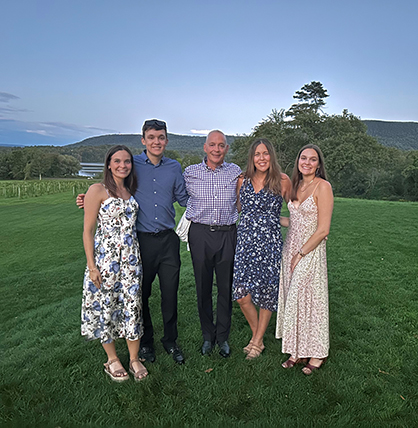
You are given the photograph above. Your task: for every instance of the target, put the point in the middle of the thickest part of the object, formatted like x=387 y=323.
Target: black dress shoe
x=224 y=350
x=175 y=351
x=207 y=347
x=147 y=353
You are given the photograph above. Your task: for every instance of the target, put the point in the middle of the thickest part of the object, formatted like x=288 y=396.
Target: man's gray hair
x=220 y=132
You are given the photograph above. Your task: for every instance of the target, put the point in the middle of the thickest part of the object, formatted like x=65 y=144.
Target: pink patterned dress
x=302 y=317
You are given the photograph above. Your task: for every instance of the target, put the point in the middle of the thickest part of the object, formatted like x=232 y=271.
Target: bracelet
x=91 y=270
x=301 y=253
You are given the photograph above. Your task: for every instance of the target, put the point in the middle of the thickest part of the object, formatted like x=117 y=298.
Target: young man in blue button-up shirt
x=160 y=184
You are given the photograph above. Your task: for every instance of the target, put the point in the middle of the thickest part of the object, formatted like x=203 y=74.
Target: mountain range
x=402 y=135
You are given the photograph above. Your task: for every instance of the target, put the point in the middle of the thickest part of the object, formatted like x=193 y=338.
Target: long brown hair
x=297 y=175
x=273 y=180
x=130 y=181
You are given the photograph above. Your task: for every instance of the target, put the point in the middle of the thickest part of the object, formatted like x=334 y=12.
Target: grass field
x=51 y=377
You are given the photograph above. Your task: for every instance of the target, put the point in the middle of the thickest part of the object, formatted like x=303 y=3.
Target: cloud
x=6 y=97
x=40 y=132
x=200 y=131
x=12 y=110
x=76 y=128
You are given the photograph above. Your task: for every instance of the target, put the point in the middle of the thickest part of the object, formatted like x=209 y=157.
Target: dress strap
x=105 y=189
x=317 y=184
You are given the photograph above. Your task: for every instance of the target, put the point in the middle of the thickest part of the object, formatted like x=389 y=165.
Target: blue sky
x=71 y=69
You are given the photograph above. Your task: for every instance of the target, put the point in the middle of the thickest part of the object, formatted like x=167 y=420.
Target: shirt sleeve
x=180 y=192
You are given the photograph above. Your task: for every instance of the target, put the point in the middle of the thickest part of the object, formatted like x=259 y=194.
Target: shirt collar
x=205 y=165
x=146 y=159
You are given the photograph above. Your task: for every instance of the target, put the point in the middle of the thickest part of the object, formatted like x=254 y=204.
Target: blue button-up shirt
x=159 y=186
x=213 y=193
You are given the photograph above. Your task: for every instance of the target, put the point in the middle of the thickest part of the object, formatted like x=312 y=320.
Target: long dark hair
x=297 y=175
x=130 y=181
x=273 y=179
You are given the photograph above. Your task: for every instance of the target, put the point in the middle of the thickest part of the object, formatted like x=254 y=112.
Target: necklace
x=302 y=190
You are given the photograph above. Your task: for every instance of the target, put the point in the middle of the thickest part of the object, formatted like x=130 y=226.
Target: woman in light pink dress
x=302 y=318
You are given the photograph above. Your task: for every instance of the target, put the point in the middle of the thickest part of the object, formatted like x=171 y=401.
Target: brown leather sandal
x=140 y=374
x=288 y=364
x=118 y=375
x=255 y=352
x=312 y=368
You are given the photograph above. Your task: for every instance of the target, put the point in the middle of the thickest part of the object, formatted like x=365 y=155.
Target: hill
x=402 y=135
x=181 y=143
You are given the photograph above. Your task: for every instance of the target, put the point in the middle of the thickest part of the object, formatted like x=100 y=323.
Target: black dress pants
x=213 y=251
x=160 y=255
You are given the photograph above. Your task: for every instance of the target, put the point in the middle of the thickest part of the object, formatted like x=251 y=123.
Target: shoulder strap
x=315 y=188
x=105 y=189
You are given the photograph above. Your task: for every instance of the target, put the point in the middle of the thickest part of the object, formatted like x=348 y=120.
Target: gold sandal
x=255 y=352
x=247 y=349
x=118 y=375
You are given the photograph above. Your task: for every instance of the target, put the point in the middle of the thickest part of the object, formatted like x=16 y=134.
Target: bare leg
x=263 y=322
x=136 y=367
x=250 y=313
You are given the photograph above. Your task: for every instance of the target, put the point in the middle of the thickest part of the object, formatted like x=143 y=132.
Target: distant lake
x=90 y=169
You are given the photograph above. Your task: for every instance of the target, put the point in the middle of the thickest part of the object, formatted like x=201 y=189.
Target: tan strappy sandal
x=119 y=375
x=247 y=348
x=140 y=374
x=255 y=352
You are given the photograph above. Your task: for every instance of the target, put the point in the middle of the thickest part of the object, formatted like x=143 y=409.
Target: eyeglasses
x=154 y=122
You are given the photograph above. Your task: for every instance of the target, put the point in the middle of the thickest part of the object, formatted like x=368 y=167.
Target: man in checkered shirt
x=212 y=209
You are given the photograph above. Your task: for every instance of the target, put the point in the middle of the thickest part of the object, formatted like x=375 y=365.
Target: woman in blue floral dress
x=259 y=240
x=111 y=306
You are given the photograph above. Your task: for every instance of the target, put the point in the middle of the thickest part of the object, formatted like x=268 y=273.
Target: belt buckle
x=212 y=228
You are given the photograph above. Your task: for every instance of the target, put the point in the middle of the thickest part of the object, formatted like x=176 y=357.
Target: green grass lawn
x=51 y=377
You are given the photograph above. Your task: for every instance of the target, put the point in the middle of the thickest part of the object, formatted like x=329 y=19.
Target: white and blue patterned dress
x=259 y=247
x=114 y=310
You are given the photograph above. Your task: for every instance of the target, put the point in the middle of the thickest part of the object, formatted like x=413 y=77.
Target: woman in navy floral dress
x=111 y=306
x=259 y=240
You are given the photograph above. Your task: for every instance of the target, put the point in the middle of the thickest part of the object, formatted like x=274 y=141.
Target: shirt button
x=155 y=204
x=153 y=179
x=156 y=218
x=155 y=191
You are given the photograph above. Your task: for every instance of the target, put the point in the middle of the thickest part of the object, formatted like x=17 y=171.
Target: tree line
x=357 y=165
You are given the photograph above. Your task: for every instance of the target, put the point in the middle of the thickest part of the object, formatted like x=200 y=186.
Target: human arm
x=324 y=200
x=93 y=198
x=80 y=200
x=284 y=221
x=239 y=185
x=179 y=192
x=286 y=185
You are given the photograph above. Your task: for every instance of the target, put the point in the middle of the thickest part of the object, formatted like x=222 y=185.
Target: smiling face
x=308 y=162
x=215 y=148
x=155 y=143
x=261 y=158
x=120 y=164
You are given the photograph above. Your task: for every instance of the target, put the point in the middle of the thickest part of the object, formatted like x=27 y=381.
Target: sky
x=72 y=69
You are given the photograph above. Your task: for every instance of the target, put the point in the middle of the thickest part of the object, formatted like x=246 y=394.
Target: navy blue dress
x=259 y=248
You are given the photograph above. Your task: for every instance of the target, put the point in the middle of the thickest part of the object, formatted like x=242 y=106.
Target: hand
x=95 y=277
x=80 y=200
x=295 y=260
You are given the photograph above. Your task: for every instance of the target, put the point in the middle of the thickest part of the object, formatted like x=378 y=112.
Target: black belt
x=160 y=233
x=216 y=228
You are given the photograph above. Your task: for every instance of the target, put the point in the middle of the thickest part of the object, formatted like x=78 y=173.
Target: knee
x=244 y=300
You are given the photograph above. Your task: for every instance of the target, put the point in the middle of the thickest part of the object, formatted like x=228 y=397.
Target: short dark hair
x=130 y=181
x=155 y=124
